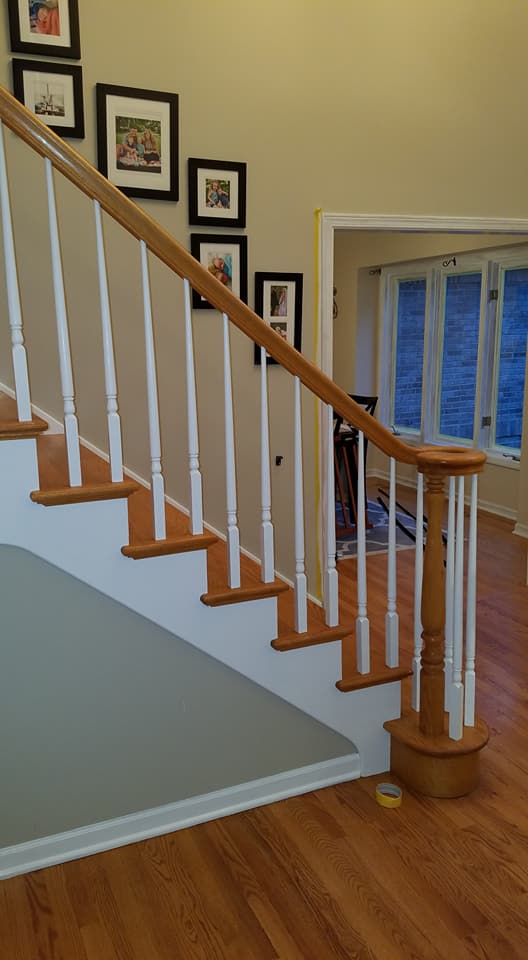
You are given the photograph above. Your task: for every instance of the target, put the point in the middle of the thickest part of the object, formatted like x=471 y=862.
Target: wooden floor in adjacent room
x=331 y=874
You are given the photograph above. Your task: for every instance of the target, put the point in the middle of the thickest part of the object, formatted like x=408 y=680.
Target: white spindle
x=18 y=350
x=362 y=623
x=471 y=610
x=157 y=481
x=112 y=410
x=418 y=579
x=301 y=606
x=331 y=584
x=457 y=695
x=192 y=419
x=391 y=617
x=450 y=595
x=71 y=426
x=233 y=535
x=266 y=529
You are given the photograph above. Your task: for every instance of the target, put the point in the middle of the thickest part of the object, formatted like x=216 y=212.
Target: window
x=455 y=346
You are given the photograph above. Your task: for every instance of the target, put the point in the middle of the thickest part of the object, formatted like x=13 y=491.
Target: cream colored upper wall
x=376 y=107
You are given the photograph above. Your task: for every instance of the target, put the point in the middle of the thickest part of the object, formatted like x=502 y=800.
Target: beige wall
x=346 y=106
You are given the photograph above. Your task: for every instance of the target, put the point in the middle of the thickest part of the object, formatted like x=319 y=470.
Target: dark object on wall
x=53 y=92
x=226 y=258
x=46 y=27
x=278 y=300
x=137 y=140
x=217 y=193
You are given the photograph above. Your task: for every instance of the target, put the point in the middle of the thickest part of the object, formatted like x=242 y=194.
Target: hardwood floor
x=331 y=874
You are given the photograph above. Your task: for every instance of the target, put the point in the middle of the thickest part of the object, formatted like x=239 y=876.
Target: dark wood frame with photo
x=222 y=241
x=264 y=310
x=205 y=215
x=20 y=67
x=104 y=91
x=38 y=46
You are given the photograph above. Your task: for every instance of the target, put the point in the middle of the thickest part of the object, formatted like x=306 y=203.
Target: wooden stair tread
x=84 y=494
x=373 y=679
x=222 y=597
x=160 y=548
x=11 y=428
x=298 y=641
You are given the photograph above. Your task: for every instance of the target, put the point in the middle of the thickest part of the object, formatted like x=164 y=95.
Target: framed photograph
x=217 y=193
x=47 y=27
x=52 y=91
x=278 y=300
x=226 y=258
x=137 y=140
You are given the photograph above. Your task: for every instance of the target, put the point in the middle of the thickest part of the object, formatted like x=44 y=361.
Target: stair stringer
x=85 y=539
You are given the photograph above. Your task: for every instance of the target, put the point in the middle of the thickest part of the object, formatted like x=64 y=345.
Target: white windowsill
x=492 y=455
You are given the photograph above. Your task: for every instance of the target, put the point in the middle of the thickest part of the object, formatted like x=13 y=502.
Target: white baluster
x=362 y=623
x=471 y=609
x=192 y=420
x=331 y=583
x=418 y=579
x=391 y=617
x=266 y=530
x=233 y=535
x=457 y=689
x=450 y=595
x=301 y=606
x=157 y=481
x=18 y=350
x=112 y=410
x=71 y=426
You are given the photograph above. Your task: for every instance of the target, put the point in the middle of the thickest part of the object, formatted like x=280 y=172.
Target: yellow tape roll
x=388 y=795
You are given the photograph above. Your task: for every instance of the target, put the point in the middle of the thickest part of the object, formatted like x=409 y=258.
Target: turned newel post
x=437 y=464
x=433 y=614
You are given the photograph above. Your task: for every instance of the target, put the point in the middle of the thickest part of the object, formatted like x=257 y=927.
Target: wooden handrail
x=127 y=213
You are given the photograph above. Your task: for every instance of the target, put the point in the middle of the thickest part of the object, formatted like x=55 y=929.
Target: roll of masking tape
x=388 y=795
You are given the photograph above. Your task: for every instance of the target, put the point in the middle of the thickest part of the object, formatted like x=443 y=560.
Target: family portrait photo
x=279 y=301
x=49 y=27
x=137 y=140
x=225 y=257
x=138 y=144
x=217 y=191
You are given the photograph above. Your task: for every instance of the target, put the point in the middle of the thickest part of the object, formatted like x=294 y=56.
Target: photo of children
x=278 y=301
x=44 y=17
x=217 y=193
x=221 y=267
x=138 y=144
x=281 y=329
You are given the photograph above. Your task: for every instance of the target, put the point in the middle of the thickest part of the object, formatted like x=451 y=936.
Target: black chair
x=346 y=465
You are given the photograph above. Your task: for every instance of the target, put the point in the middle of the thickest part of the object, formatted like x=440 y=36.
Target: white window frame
x=492 y=264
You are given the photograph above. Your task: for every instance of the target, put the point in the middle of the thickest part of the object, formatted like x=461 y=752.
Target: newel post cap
x=450 y=461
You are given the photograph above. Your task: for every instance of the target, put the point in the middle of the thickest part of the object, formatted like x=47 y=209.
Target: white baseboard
x=56 y=427
x=521 y=530
x=109 y=834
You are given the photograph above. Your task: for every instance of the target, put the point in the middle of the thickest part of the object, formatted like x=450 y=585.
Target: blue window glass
x=459 y=355
x=409 y=353
x=512 y=359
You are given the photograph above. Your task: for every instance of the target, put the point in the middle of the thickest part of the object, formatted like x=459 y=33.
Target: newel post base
x=438 y=766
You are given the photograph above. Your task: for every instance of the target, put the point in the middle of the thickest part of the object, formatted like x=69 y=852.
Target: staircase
x=79 y=509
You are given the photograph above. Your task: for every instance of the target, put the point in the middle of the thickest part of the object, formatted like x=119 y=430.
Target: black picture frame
x=125 y=112
x=208 y=247
x=62 y=15
x=229 y=210
x=61 y=102
x=278 y=300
